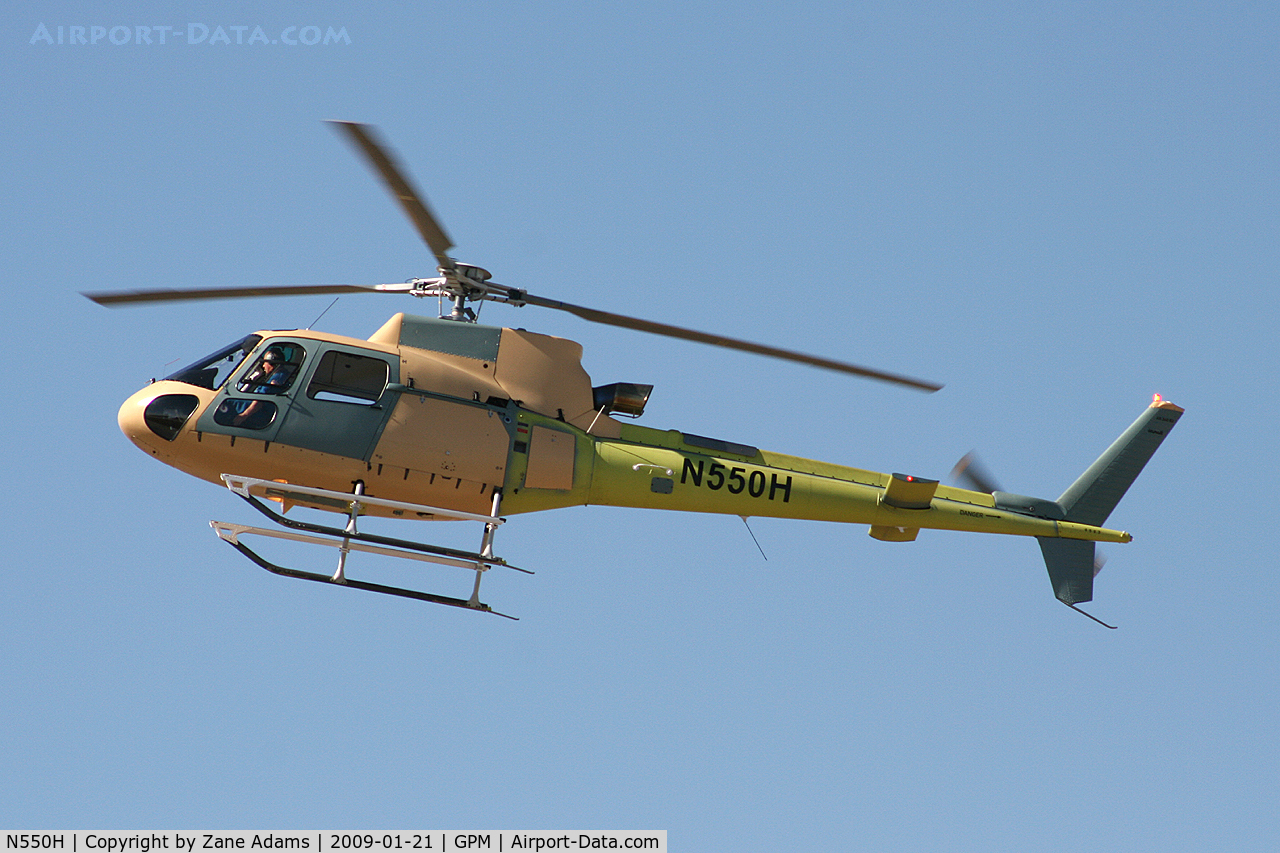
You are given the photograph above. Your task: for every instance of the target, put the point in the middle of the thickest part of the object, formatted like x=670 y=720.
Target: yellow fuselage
x=549 y=464
x=459 y=413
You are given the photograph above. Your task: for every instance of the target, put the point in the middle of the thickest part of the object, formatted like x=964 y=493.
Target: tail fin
x=1070 y=563
x=1091 y=498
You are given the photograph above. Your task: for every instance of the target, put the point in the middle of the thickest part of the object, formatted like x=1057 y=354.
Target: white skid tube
x=242 y=486
x=232 y=533
x=349 y=539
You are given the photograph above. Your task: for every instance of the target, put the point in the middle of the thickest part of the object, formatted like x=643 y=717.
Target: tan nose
x=148 y=419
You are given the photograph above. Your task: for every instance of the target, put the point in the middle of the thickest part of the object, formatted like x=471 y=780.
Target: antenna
x=325 y=311
x=753 y=538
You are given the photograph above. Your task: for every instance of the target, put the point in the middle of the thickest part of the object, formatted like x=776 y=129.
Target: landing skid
x=349 y=539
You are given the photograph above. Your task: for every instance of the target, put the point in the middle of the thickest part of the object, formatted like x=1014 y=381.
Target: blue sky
x=1054 y=210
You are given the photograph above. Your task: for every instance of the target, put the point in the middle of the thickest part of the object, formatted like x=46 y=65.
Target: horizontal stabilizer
x=906 y=492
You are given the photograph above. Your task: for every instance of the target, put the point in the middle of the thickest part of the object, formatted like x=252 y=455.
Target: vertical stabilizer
x=1071 y=571
x=1091 y=498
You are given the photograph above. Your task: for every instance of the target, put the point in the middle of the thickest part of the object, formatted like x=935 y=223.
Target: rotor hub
x=473 y=272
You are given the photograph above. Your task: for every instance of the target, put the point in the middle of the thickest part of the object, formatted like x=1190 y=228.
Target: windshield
x=213 y=370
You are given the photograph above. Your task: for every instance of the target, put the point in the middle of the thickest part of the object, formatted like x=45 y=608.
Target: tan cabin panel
x=551 y=455
x=439 y=437
x=430 y=365
x=448 y=375
x=544 y=373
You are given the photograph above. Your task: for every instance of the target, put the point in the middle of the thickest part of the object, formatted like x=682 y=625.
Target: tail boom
x=647 y=468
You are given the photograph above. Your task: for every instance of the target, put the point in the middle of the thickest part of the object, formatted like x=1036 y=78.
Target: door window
x=344 y=377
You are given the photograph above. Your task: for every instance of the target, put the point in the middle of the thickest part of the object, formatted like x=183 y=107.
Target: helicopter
x=447 y=419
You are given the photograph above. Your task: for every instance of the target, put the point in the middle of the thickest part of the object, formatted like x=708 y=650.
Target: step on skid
x=349 y=539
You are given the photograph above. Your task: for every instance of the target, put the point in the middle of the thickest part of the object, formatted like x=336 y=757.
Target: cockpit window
x=211 y=371
x=275 y=369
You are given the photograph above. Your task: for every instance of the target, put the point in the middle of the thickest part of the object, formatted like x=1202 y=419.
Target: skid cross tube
x=230 y=533
x=486 y=547
x=488 y=560
x=345 y=548
x=349 y=538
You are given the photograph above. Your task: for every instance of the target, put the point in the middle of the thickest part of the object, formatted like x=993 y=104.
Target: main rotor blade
x=625 y=322
x=414 y=205
x=133 y=297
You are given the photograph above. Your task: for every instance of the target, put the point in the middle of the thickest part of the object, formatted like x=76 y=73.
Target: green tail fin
x=1091 y=498
x=1070 y=563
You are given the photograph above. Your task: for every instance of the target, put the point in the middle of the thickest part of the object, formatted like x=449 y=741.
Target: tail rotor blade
x=970 y=471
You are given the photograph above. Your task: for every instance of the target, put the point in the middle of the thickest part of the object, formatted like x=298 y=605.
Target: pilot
x=270 y=376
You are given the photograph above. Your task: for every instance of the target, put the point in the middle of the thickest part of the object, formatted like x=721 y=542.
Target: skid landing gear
x=349 y=538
